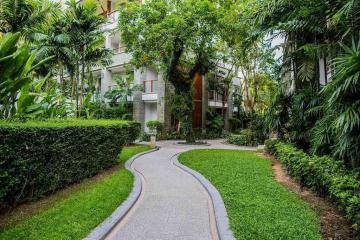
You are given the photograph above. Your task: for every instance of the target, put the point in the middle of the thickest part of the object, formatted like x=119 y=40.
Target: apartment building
x=151 y=103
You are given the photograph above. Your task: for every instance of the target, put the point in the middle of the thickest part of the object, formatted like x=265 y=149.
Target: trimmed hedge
x=37 y=158
x=325 y=175
x=245 y=138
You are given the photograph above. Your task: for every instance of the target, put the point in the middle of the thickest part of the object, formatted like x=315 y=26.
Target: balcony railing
x=150 y=86
x=214 y=96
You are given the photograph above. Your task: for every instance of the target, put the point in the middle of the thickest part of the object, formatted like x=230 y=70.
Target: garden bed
x=73 y=212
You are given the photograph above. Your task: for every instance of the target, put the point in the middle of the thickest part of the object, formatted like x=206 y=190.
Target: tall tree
x=177 y=36
x=86 y=32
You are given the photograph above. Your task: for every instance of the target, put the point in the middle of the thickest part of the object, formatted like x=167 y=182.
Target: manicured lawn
x=74 y=216
x=258 y=206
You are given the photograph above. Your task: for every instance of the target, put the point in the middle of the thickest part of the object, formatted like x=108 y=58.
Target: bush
x=38 y=158
x=270 y=145
x=155 y=126
x=325 y=175
x=245 y=138
x=258 y=129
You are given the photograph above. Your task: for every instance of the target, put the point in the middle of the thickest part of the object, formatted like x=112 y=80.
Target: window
x=150 y=86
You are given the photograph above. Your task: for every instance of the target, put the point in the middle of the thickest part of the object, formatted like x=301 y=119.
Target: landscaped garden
x=74 y=79
x=72 y=213
x=258 y=206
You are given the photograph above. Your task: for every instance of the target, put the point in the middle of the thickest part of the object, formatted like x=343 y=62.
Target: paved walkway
x=173 y=205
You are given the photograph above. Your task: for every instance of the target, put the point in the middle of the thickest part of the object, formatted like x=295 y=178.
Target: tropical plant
x=344 y=96
x=53 y=40
x=278 y=113
x=124 y=89
x=24 y=16
x=17 y=65
x=84 y=27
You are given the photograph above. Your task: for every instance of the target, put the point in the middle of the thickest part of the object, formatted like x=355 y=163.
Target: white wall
x=151 y=74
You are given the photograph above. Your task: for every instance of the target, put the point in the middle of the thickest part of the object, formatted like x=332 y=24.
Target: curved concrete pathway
x=173 y=204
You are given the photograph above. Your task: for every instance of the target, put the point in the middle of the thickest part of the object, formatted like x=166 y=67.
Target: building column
x=106 y=81
x=138 y=103
x=163 y=109
x=205 y=103
x=108 y=40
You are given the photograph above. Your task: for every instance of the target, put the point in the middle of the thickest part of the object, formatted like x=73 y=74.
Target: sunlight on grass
x=258 y=206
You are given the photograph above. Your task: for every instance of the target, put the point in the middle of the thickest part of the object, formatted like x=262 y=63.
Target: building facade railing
x=150 y=86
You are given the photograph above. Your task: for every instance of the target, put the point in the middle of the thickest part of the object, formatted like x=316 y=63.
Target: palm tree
x=53 y=40
x=23 y=15
x=344 y=92
x=85 y=31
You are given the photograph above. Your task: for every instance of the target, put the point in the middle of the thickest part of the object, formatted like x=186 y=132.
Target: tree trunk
x=82 y=78
x=77 y=89
x=62 y=82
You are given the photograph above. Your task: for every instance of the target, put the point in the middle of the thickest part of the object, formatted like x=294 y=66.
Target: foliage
x=24 y=16
x=278 y=113
x=315 y=31
x=125 y=88
x=344 y=96
x=179 y=37
x=155 y=126
x=78 y=149
x=215 y=122
x=245 y=181
x=301 y=117
x=252 y=136
x=17 y=65
x=86 y=206
x=245 y=138
x=258 y=128
x=325 y=175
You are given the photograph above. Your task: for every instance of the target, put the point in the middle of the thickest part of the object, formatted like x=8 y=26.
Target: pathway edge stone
x=104 y=228
x=221 y=217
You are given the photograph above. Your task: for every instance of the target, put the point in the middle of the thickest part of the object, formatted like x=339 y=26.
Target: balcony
x=215 y=100
x=150 y=91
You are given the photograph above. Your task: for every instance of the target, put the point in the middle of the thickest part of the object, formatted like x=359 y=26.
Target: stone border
x=103 y=229
x=221 y=217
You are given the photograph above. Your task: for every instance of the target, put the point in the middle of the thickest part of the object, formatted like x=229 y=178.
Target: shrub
x=155 y=126
x=258 y=128
x=325 y=175
x=245 y=138
x=38 y=158
x=270 y=145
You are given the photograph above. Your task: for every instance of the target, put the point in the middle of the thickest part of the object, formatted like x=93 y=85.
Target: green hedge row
x=245 y=138
x=37 y=158
x=325 y=175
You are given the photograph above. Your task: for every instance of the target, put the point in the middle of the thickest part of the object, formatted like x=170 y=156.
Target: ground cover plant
x=38 y=158
x=76 y=214
x=258 y=206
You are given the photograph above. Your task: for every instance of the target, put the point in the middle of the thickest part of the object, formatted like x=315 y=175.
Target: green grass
x=74 y=216
x=258 y=206
x=128 y=152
